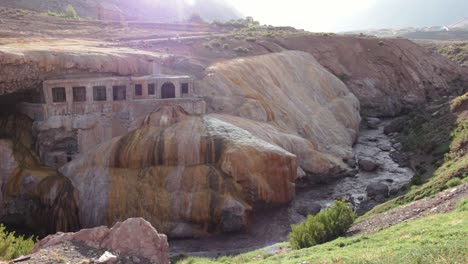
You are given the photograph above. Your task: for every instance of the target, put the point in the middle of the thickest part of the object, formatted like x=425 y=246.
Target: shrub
x=215 y=43
x=196 y=18
x=13 y=247
x=325 y=226
x=454 y=182
x=226 y=46
x=241 y=50
x=70 y=12
x=251 y=39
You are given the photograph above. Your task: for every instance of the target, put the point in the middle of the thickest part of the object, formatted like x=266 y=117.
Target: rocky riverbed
x=381 y=176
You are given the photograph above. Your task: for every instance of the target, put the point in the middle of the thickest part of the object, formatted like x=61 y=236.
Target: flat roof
x=115 y=79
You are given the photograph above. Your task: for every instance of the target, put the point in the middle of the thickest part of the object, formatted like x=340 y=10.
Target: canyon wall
x=389 y=76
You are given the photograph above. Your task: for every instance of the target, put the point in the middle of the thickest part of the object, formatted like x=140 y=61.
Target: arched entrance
x=168 y=90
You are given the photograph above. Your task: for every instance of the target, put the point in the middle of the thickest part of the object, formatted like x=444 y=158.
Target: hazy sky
x=346 y=15
x=313 y=15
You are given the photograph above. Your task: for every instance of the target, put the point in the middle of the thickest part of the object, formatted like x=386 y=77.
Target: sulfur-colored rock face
x=135 y=237
x=31 y=196
x=192 y=175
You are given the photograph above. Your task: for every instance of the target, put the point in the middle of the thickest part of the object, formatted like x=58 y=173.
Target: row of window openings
x=100 y=94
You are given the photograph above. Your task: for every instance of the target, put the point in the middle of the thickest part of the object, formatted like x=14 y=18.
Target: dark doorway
x=168 y=90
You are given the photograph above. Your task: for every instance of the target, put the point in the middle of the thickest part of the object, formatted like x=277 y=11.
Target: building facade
x=85 y=112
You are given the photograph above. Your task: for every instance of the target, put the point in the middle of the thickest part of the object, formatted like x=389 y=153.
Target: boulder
x=233 y=216
x=309 y=209
x=351 y=162
x=377 y=189
x=372 y=122
x=396 y=126
x=385 y=147
x=368 y=165
x=134 y=237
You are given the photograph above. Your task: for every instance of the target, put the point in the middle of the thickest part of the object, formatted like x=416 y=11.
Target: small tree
x=196 y=18
x=325 y=226
x=70 y=12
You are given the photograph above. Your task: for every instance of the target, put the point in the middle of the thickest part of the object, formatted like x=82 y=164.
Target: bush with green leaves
x=241 y=50
x=327 y=225
x=70 y=12
x=12 y=246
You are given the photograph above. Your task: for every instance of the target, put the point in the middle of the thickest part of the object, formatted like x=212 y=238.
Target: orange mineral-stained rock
x=34 y=197
x=182 y=177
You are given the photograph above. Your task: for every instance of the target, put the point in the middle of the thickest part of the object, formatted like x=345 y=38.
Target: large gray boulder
x=374 y=190
x=368 y=165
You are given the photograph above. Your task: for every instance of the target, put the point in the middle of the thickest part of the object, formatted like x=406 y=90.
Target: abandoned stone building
x=84 y=112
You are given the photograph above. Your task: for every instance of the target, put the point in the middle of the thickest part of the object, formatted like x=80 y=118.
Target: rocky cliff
x=191 y=175
x=389 y=76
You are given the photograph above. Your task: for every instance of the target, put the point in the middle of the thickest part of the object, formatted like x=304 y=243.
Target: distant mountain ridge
x=463 y=24
x=150 y=10
x=406 y=13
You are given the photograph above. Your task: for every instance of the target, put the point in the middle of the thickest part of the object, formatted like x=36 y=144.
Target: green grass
x=457 y=52
x=417 y=241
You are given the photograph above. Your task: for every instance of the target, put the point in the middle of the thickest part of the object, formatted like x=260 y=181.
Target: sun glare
x=190 y=2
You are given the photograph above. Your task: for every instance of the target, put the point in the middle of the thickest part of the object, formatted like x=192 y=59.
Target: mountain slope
x=153 y=10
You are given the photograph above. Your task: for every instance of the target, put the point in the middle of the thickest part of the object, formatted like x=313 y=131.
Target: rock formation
x=24 y=67
x=388 y=76
x=135 y=237
x=31 y=196
x=189 y=175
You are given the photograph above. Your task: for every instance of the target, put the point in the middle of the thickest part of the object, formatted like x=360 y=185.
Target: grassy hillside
x=419 y=241
x=152 y=10
x=457 y=52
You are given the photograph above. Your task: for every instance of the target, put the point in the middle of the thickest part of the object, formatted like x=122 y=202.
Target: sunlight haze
x=313 y=15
